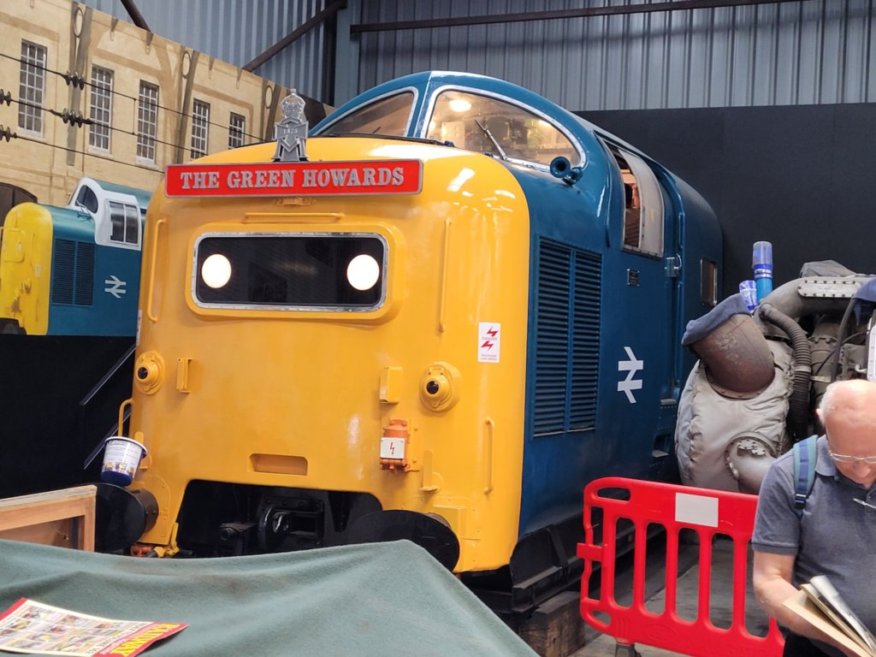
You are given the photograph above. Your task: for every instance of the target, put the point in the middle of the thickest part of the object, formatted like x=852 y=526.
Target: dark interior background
x=52 y=414
x=801 y=177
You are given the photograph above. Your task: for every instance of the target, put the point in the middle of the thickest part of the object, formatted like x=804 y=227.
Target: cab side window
x=643 y=204
x=489 y=125
x=125 y=221
x=87 y=199
x=387 y=116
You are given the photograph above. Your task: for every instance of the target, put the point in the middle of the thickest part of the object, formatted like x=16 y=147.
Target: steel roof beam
x=559 y=14
x=131 y=7
x=295 y=34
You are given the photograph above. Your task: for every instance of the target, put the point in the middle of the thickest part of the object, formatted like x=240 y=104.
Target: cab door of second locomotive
x=642 y=315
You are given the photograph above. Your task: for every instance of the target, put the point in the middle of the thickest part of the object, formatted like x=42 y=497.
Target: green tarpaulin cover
x=383 y=600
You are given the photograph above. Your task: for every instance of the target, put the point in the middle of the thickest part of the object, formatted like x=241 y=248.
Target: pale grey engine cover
x=710 y=426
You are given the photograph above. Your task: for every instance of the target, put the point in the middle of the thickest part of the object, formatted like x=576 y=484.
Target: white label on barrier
x=696 y=509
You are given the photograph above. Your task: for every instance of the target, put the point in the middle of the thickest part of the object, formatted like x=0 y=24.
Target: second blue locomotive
x=73 y=270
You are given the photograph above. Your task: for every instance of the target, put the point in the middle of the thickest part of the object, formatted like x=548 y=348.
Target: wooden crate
x=59 y=517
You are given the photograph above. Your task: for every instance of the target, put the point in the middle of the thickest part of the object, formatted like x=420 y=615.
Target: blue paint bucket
x=121 y=458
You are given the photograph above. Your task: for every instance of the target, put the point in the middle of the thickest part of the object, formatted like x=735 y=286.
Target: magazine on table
x=32 y=627
x=821 y=604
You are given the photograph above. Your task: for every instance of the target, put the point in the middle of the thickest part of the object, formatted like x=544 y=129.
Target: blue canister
x=121 y=458
x=748 y=290
x=762 y=264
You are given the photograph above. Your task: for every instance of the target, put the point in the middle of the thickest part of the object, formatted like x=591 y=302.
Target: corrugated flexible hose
x=798 y=404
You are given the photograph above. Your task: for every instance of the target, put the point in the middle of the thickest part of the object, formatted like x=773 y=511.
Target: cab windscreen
x=295 y=272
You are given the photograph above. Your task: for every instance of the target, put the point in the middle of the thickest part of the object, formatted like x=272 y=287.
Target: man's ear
x=820 y=416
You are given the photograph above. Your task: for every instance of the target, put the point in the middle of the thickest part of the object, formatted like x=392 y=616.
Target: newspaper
x=829 y=600
x=819 y=603
x=32 y=627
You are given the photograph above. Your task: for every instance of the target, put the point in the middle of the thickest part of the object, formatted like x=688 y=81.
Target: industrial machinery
x=437 y=318
x=760 y=377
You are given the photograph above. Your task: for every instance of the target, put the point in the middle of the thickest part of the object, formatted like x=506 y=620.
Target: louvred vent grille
x=567 y=338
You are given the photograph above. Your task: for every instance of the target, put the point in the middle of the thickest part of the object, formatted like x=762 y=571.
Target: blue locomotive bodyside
x=94 y=286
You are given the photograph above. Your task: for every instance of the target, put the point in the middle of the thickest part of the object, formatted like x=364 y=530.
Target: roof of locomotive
x=427 y=85
x=410 y=121
x=71 y=224
x=143 y=196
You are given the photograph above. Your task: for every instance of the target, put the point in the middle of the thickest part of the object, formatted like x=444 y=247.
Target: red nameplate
x=295 y=178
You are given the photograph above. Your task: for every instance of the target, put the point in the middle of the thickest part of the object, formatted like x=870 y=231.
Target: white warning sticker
x=392 y=448
x=489 y=339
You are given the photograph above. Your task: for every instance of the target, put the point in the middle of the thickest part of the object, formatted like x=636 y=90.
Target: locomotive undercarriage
x=542 y=565
x=221 y=519
x=224 y=519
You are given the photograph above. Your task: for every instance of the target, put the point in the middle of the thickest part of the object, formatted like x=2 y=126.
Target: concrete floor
x=599 y=645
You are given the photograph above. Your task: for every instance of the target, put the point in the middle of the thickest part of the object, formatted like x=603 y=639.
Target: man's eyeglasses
x=843 y=458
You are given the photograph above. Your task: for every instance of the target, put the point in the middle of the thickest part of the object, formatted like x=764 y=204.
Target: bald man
x=836 y=535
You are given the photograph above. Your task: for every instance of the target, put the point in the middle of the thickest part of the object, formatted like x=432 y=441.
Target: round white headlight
x=363 y=272
x=216 y=270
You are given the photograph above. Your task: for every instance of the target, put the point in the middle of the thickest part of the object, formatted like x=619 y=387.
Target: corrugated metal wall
x=807 y=52
x=239 y=30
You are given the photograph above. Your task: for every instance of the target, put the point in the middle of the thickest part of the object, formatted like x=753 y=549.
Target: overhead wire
x=77 y=79
x=76 y=118
x=88 y=153
x=8 y=134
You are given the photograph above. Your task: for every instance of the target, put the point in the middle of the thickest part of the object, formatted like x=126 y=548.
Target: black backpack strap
x=805 y=455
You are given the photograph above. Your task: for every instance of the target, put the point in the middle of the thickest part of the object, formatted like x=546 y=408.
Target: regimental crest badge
x=291 y=131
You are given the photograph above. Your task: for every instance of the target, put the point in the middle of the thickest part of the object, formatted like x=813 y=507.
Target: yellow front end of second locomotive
x=26 y=269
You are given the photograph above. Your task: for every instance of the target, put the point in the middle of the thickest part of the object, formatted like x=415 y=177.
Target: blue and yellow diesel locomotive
x=458 y=307
x=73 y=270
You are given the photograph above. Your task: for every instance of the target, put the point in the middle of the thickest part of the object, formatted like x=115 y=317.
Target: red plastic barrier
x=708 y=513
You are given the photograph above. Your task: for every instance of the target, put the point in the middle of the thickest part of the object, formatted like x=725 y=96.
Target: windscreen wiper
x=490 y=136
x=421 y=140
